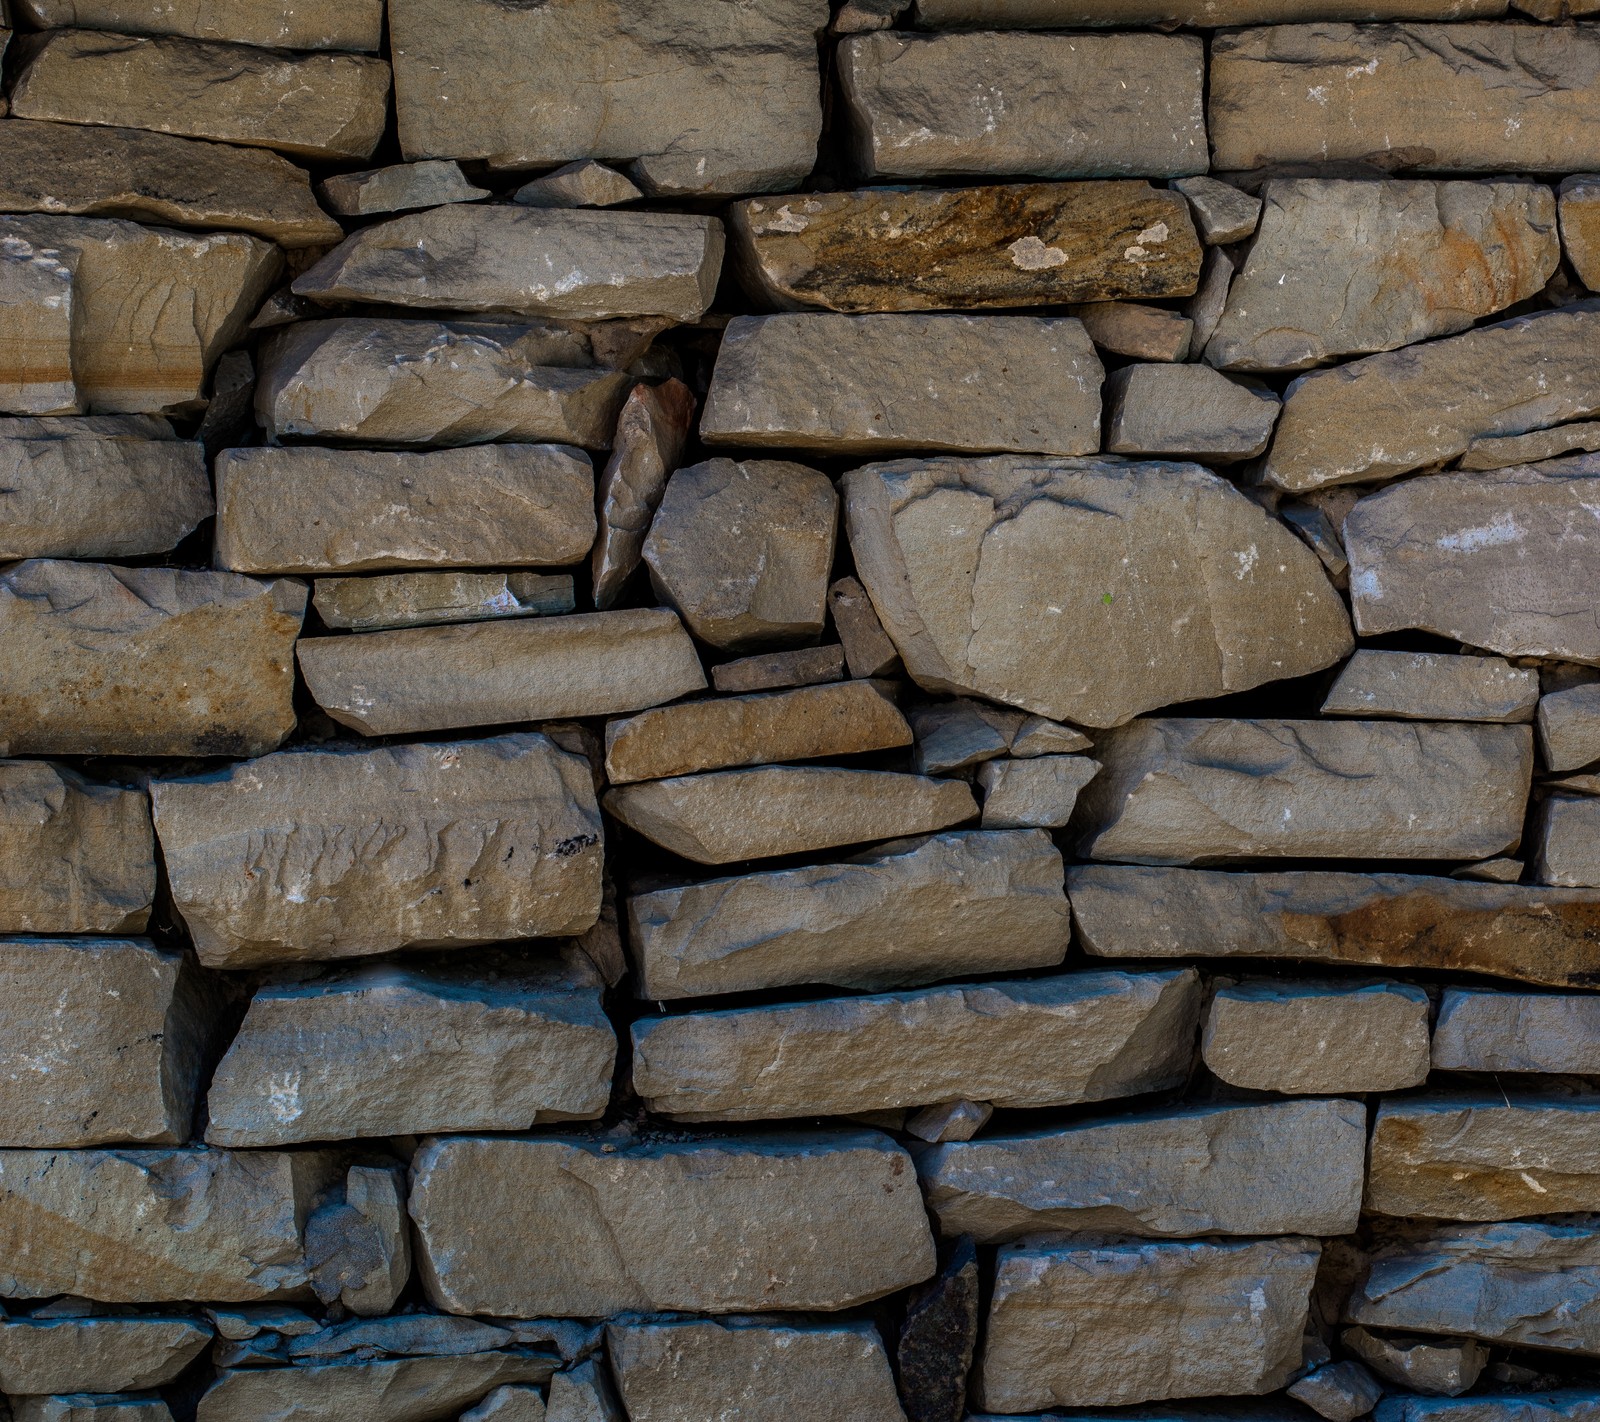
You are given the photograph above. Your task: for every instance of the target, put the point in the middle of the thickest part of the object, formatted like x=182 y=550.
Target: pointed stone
x=1187 y=412
x=581 y=184
x=1517 y=1032
x=949 y=1121
x=938 y=1340
x=404 y=187
x=321 y=24
x=866 y=645
x=1434 y=686
x=427 y=599
x=1222 y=213
x=583 y=1394
x=64 y=1355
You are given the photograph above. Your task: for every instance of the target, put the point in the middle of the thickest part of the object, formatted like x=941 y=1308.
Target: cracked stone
x=358 y=1243
x=403 y=187
x=1433 y=686
x=1187 y=412
x=1514 y=1032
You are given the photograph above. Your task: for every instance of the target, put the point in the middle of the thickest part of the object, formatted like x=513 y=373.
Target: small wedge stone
x=1222 y=213
x=867 y=647
x=1341 y=1392
x=771 y=671
x=949 y=1121
x=581 y=184
x=1187 y=412
x=1037 y=793
x=1433 y=686
x=1517 y=1032
x=1139 y=332
x=1419 y=1365
x=403 y=187
x=583 y=1394
x=1504 y=451
x=959 y=734
x=426 y=599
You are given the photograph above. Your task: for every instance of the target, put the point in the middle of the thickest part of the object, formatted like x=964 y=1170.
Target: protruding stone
x=1516 y=1032
x=1140 y=332
x=427 y=599
x=1204 y=309
x=64 y=1355
x=1502 y=869
x=321 y=24
x=404 y=187
x=1419 y=1365
x=772 y=671
x=581 y=184
x=1503 y=451
x=1038 y=793
x=1569 y=728
x=1433 y=686
x=1187 y=412
x=1341 y=1392
x=1222 y=213
x=358 y=1242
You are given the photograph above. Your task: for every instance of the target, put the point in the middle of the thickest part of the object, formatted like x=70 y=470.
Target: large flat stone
x=145 y=661
x=1343 y=267
x=321 y=24
x=931 y=249
x=1517 y=1031
x=1433 y=686
x=492 y=673
x=1281 y=1168
x=1072 y=14
x=344 y=853
x=713 y=1226
x=1049 y=106
x=961 y=902
x=967 y=562
x=101 y=1355
x=1049 y=1042
x=701 y=100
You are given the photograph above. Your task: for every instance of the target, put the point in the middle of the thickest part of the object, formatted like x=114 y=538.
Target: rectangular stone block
x=1569 y=727
x=1517 y=1031
x=40 y=1356
x=428 y=599
x=1567 y=843
x=322 y=24
x=1433 y=686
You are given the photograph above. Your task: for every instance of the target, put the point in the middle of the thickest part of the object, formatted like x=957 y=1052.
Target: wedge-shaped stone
x=1564 y=1405
x=65 y=1355
x=1037 y=793
x=322 y=24
x=1285 y=1167
x=324 y=107
x=1050 y=106
x=702 y=99
x=1170 y=558
x=1090 y=1324
x=1580 y=225
x=426 y=599
x=582 y=183
x=1431 y=1365
x=1183 y=411
x=304 y=509
x=771 y=671
x=401 y=187
x=145 y=661
x=1433 y=401
x=580 y=264
x=1501 y=560
x=492 y=673
x=432 y=382
x=345 y=853
x=962 y=902
x=1433 y=686
x=1501 y=452
x=1072 y=14
x=779 y=809
x=1465 y=98
x=1343 y=267
x=1212 y=789
x=820 y=1222
x=1517 y=1031
x=1049 y=1042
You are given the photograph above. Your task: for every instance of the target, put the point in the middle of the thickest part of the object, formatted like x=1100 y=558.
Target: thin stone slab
x=731 y=815
x=1049 y=1042
x=304 y=509
x=65 y=1355
x=961 y=902
x=325 y=106
x=584 y=183
x=1092 y=1324
x=427 y=599
x=1073 y=14
x=145 y=661
x=1037 y=793
x=1289 y=1167
x=1344 y=267
x=495 y=673
x=772 y=671
x=1503 y=451
x=1217 y=595
x=91 y=1407
x=436 y=846
x=580 y=264
x=1187 y=412
x=1569 y=727
x=321 y=24
x=1140 y=332
x=403 y=187
x=822 y=1221
x=1433 y=686
x=1517 y=1032
x=1567 y=843
x=1049 y=106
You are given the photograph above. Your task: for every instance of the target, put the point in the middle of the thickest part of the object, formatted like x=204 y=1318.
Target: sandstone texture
x=1567 y=845
x=867 y=647
x=426 y=599
x=1037 y=793
x=1517 y=1032
x=1341 y=1392
x=97 y=1355
x=1223 y=213
x=1421 y=1365
x=1502 y=451
x=322 y=24
x=1131 y=329
x=1569 y=728
x=772 y=671
x=1187 y=412
x=403 y=187
x=582 y=183
x=1580 y=225
x=1433 y=686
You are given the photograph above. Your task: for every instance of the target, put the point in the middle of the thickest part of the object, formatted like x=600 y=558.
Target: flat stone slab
x=443 y=845
x=1187 y=412
x=90 y=1407
x=68 y=1355
x=772 y=671
x=1517 y=1031
x=321 y=24
x=1073 y=14
x=1433 y=686
x=821 y=1221
x=1503 y=451
x=427 y=599
x=401 y=187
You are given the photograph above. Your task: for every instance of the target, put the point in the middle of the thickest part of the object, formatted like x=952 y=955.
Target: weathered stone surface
x=151 y=310
x=323 y=24
x=402 y=187
x=582 y=265
x=929 y=106
x=584 y=183
x=1222 y=213
x=867 y=647
x=358 y=1245
x=1419 y=1365
x=1501 y=560
x=1049 y=1042
x=771 y=671
x=1217 y=595
x=63 y=1355
x=1141 y=332
x=962 y=902
x=1065 y=14
x=247 y=850
x=1204 y=309
x=930 y=249
x=1039 y=792
x=1306 y=1038
x=492 y=673
x=145 y=661
x=844 y=718
x=1580 y=225
x=701 y=100
x=1187 y=411
x=696 y=1369
x=1575 y=1405
x=1501 y=452
x=778 y=809
x=305 y=509
x=426 y=599
x=36 y=368
x=324 y=106
x=713 y=1226
x=1090 y=1324
x=512 y=1403
x=1567 y=846
x=583 y=1394
x=743 y=551
x=938 y=1340
x=1341 y=1392
x=91 y=1407
x=1569 y=727
x=1433 y=686
x=1515 y=1031
x=1285 y=1167
x=1343 y=267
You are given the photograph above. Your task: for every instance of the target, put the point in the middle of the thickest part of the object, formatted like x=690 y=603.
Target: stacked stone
x=666 y=762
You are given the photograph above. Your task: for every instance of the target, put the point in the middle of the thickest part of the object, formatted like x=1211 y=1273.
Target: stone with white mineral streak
x=319 y=24
x=1517 y=1031
x=1569 y=727
x=1074 y=14
x=36 y=353
x=100 y=1355
x=584 y=183
x=1433 y=686
x=403 y=187
x=1222 y=212
x=1187 y=412
x=427 y=599
x=1037 y=793
x=1433 y=1366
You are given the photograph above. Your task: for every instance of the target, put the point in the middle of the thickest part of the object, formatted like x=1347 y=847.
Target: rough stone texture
x=867 y=647
x=1501 y=452
x=1433 y=686
x=1514 y=1031
x=1049 y=106
x=1419 y=1365
x=584 y=183
x=1050 y=1042
x=581 y=265
x=88 y=1407
x=938 y=1339
x=1285 y=1167
x=334 y=854
x=1217 y=595
x=1341 y=1392
x=1054 y=14
x=949 y=1121
x=427 y=599
x=1567 y=846
x=772 y=671
x=758 y=1222
x=432 y=382
x=1580 y=225
x=743 y=551
x=697 y=1369
x=1188 y=412
x=1306 y=1038
x=1569 y=728
x=311 y=510
x=1211 y=789
x=1345 y=267
x=1141 y=332
x=512 y=1403
x=1036 y=793
x=36 y=356
x=931 y=249
x=321 y=24
x=583 y=1394
x=65 y=1355
x=145 y=661
x=702 y=100
x=835 y=384
x=1091 y=1324
x=776 y=809
x=403 y=187
x=1222 y=213
x=966 y=901
x=325 y=107
x=1577 y=1405
x=492 y=673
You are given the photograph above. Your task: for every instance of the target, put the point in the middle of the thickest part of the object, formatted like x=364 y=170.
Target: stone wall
x=741 y=711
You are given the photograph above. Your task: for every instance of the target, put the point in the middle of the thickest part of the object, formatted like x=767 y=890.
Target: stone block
x=1187 y=412
x=1517 y=1032
x=100 y=1355
x=1433 y=686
